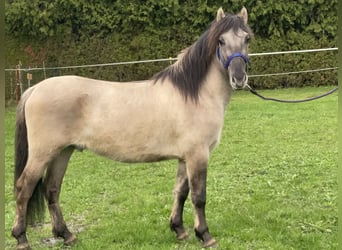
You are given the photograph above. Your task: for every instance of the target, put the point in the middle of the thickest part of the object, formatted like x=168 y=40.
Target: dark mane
x=188 y=73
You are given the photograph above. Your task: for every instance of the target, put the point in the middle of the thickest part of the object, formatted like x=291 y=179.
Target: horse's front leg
x=181 y=192
x=197 y=174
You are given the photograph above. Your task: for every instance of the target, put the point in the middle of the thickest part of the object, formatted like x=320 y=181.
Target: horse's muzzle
x=239 y=81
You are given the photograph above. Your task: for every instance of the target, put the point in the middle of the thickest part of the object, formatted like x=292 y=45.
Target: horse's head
x=232 y=45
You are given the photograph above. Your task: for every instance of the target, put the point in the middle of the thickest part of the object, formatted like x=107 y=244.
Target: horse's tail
x=36 y=205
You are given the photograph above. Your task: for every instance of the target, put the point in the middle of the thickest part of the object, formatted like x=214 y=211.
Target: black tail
x=36 y=204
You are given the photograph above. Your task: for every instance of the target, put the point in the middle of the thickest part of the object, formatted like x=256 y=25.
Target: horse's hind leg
x=52 y=183
x=181 y=193
x=24 y=188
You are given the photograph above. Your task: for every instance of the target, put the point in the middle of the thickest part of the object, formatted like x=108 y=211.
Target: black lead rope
x=253 y=91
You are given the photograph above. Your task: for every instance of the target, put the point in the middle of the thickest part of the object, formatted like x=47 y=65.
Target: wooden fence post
x=20 y=79
x=44 y=69
x=17 y=84
x=29 y=78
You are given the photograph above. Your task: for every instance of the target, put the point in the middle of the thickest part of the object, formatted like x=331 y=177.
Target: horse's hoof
x=72 y=240
x=183 y=236
x=210 y=244
x=23 y=246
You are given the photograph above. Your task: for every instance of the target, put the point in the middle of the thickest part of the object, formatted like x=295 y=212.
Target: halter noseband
x=230 y=58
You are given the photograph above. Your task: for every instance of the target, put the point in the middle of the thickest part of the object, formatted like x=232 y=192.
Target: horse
x=176 y=114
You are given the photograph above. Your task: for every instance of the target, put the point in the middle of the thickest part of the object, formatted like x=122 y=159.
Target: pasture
x=271 y=185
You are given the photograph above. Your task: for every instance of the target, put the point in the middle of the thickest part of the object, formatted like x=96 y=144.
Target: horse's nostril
x=239 y=79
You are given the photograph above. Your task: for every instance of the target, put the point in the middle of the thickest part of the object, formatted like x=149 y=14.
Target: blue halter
x=230 y=58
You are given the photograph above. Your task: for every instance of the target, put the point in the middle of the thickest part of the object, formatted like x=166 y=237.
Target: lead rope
x=253 y=91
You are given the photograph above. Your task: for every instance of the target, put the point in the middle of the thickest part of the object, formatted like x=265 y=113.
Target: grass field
x=271 y=185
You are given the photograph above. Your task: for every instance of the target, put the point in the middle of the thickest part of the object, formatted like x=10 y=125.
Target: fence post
x=17 y=84
x=20 y=79
x=29 y=78
x=11 y=85
x=44 y=69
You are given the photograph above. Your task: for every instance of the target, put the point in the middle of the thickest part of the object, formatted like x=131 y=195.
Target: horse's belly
x=133 y=154
x=133 y=144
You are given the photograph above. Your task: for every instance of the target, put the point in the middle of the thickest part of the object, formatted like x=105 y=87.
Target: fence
x=19 y=78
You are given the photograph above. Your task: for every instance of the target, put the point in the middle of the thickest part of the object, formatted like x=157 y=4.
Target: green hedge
x=293 y=63
x=75 y=32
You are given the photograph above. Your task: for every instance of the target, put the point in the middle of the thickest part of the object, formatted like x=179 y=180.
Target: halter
x=230 y=58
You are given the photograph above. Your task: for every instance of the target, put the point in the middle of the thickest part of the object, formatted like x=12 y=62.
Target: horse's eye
x=221 y=41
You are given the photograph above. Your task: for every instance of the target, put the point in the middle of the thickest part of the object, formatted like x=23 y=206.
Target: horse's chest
x=208 y=130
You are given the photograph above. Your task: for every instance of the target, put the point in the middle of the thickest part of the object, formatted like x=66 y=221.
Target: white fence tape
x=292 y=52
x=170 y=59
x=294 y=72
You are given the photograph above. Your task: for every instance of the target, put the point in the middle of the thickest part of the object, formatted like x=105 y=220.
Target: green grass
x=271 y=185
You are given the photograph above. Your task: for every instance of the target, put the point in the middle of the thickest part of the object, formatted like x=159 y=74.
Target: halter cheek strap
x=230 y=58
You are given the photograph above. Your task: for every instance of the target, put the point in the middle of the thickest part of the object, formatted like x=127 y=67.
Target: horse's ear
x=220 y=14
x=243 y=14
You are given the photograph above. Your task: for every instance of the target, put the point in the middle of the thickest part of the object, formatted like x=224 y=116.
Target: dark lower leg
x=59 y=228
x=201 y=228
x=181 y=192
x=52 y=183
x=19 y=232
x=198 y=196
x=24 y=188
x=176 y=225
x=176 y=220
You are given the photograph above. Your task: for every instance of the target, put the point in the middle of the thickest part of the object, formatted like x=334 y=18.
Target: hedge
x=75 y=32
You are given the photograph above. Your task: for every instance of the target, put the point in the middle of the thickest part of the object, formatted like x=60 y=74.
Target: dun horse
x=177 y=114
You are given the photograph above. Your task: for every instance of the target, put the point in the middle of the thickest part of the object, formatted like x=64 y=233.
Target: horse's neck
x=217 y=88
